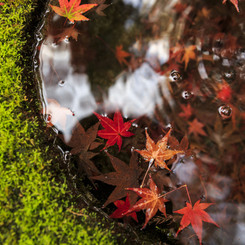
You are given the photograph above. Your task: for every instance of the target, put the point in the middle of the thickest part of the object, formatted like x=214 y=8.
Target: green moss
x=33 y=206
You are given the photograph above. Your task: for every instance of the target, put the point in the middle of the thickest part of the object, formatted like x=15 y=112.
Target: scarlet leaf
x=150 y=201
x=125 y=176
x=122 y=207
x=234 y=2
x=158 y=152
x=194 y=216
x=121 y=55
x=195 y=127
x=72 y=9
x=114 y=129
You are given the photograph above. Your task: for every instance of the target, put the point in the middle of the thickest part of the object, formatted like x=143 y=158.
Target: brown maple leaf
x=81 y=142
x=151 y=201
x=189 y=54
x=121 y=55
x=183 y=145
x=158 y=152
x=125 y=176
x=196 y=128
x=101 y=6
x=68 y=32
x=194 y=216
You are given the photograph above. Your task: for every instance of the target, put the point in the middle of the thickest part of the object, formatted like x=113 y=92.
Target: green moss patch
x=33 y=206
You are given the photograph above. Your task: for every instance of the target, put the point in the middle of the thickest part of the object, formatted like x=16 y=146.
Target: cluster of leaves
x=152 y=162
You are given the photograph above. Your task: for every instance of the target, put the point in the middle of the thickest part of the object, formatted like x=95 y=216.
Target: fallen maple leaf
x=114 y=129
x=101 y=6
x=121 y=55
x=189 y=54
x=186 y=111
x=195 y=127
x=72 y=9
x=234 y=2
x=151 y=201
x=68 y=32
x=122 y=207
x=81 y=142
x=194 y=216
x=158 y=152
x=125 y=176
x=224 y=92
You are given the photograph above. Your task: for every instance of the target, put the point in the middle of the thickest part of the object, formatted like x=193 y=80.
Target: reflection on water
x=164 y=63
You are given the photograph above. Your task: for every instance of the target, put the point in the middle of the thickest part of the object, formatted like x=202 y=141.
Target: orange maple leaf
x=158 y=152
x=195 y=127
x=72 y=9
x=234 y=2
x=189 y=54
x=121 y=55
x=194 y=216
x=151 y=201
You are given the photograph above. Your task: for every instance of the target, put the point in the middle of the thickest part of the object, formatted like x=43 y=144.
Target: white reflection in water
x=135 y=93
x=75 y=95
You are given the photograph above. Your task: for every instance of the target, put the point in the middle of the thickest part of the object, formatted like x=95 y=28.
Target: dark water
x=183 y=67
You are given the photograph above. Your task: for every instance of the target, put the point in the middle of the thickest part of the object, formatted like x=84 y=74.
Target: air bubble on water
x=132 y=149
x=225 y=112
x=175 y=76
x=104 y=115
x=230 y=75
x=135 y=125
x=216 y=57
x=61 y=83
x=187 y=95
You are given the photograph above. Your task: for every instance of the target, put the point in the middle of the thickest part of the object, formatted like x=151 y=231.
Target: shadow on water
x=166 y=64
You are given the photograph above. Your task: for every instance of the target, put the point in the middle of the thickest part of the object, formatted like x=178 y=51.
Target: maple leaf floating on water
x=186 y=111
x=151 y=201
x=189 y=54
x=72 y=9
x=121 y=55
x=195 y=127
x=158 y=152
x=194 y=216
x=234 y=2
x=114 y=129
x=122 y=207
x=125 y=176
x=101 y=6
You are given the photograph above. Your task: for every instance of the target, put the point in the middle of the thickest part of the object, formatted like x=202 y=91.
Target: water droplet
x=132 y=149
x=135 y=125
x=229 y=75
x=225 y=111
x=175 y=76
x=61 y=83
x=187 y=95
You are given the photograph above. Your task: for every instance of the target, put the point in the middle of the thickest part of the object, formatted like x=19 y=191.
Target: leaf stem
x=150 y=164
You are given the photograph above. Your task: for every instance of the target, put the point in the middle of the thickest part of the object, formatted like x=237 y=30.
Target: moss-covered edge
x=33 y=207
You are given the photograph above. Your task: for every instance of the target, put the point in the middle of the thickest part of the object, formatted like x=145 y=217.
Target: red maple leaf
x=234 y=2
x=151 y=201
x=72 y=9
x=121 y=55
x=122 y=207
x=186 y=111
x=194 y=216
x=195 y=127
x=114 y=129
x=224 y=92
